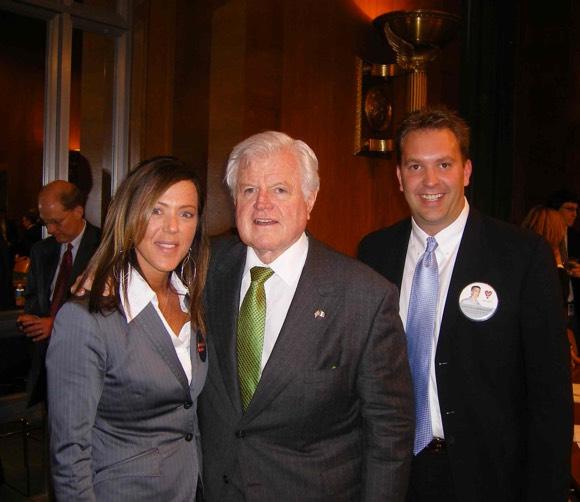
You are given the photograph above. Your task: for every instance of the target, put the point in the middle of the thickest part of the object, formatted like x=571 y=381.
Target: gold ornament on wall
x=416 y=37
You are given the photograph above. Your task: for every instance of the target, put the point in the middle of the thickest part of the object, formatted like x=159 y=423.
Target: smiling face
x=271 y=209
x=433 y=177
x=169 y=233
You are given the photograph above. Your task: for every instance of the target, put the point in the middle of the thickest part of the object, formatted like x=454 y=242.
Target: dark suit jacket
x=503 y=384
x=6 y=266
x=332 y=417
x=44 y=258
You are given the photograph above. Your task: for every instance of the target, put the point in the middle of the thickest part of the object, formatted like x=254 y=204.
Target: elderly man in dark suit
x=55 y=262
x=492 y=383
x=308 y=394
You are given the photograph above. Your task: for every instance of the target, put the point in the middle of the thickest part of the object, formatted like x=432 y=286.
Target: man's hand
x=80 y=288
x=34 y=327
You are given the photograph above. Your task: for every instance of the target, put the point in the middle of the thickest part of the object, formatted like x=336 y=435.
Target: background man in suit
x=321 y=408
x=497 y=414
x=55 y=262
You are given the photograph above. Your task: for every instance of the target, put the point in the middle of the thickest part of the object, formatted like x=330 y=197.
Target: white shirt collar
x=448 y=238
x=140 y=294
x=285 y=266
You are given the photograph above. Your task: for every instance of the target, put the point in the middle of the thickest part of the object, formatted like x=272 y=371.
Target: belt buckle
x=437 y=445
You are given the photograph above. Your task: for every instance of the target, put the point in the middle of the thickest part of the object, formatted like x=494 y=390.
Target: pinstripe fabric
x=332 y=417
x=44 y=257
x=122 y=419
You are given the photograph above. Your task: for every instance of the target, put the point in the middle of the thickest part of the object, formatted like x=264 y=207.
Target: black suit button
x=226 y=479
x=241 y=434
x=189 y=436
x=187 y=405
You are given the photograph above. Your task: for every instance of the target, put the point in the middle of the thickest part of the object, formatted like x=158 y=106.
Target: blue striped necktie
x=420 y=333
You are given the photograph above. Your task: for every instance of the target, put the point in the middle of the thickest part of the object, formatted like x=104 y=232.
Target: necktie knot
x=260 y=274
x=431 y=245
x=429 y=256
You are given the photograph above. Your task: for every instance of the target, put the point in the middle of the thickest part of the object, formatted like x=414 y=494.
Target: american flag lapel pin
x=319 y=313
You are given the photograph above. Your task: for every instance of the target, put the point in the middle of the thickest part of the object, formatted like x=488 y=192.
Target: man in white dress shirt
x=321 y=407
x=61 y=208
x=498 y=408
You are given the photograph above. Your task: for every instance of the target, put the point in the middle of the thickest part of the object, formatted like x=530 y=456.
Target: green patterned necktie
x=251 y=325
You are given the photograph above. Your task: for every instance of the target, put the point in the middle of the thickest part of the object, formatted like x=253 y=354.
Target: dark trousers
x=431 y=479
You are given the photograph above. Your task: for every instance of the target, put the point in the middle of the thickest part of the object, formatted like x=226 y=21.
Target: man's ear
x=466 y=172
x=399 y=178
x=310 y=200
x=79 y=212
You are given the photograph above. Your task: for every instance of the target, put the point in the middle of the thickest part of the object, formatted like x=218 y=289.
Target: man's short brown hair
x=433 y=118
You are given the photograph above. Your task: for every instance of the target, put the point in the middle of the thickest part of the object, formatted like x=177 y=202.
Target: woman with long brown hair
x=127 y=362
x=549 y=223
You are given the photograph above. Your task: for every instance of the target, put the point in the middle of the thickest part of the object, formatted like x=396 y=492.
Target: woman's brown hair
x=125 y=227
x=550 y=224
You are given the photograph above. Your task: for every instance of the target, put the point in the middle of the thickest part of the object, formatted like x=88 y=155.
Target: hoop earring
x=184 y=263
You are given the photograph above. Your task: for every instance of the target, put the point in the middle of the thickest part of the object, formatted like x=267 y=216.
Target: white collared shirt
x=448 y=241
x=140 y=294
x=76 y=242
x=279 y=288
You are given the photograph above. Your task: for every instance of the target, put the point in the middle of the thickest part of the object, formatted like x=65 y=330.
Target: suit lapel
x=470 y=266
x=52 y=258
x=152 y=327
x=224 y=300
x=84 y=253
x=301 y=329
x=48 y=269
x=398 y=253
x=198 y=367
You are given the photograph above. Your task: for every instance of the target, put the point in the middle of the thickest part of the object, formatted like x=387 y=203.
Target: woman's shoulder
x=76 y=311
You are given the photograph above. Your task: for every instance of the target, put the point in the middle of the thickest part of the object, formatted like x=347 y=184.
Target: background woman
x=126 y=363
x=549 y=224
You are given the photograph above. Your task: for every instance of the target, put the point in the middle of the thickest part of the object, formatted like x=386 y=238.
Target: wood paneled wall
x=358 y=194
x=22 y=56
x=287 y=65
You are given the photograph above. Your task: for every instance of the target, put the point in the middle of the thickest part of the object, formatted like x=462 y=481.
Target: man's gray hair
x=263 y=145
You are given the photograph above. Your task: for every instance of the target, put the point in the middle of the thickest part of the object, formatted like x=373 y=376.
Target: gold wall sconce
x=416 y=37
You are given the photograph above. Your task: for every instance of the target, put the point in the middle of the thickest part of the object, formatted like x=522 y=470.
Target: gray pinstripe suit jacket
x=122 y=416
x=332 y=417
